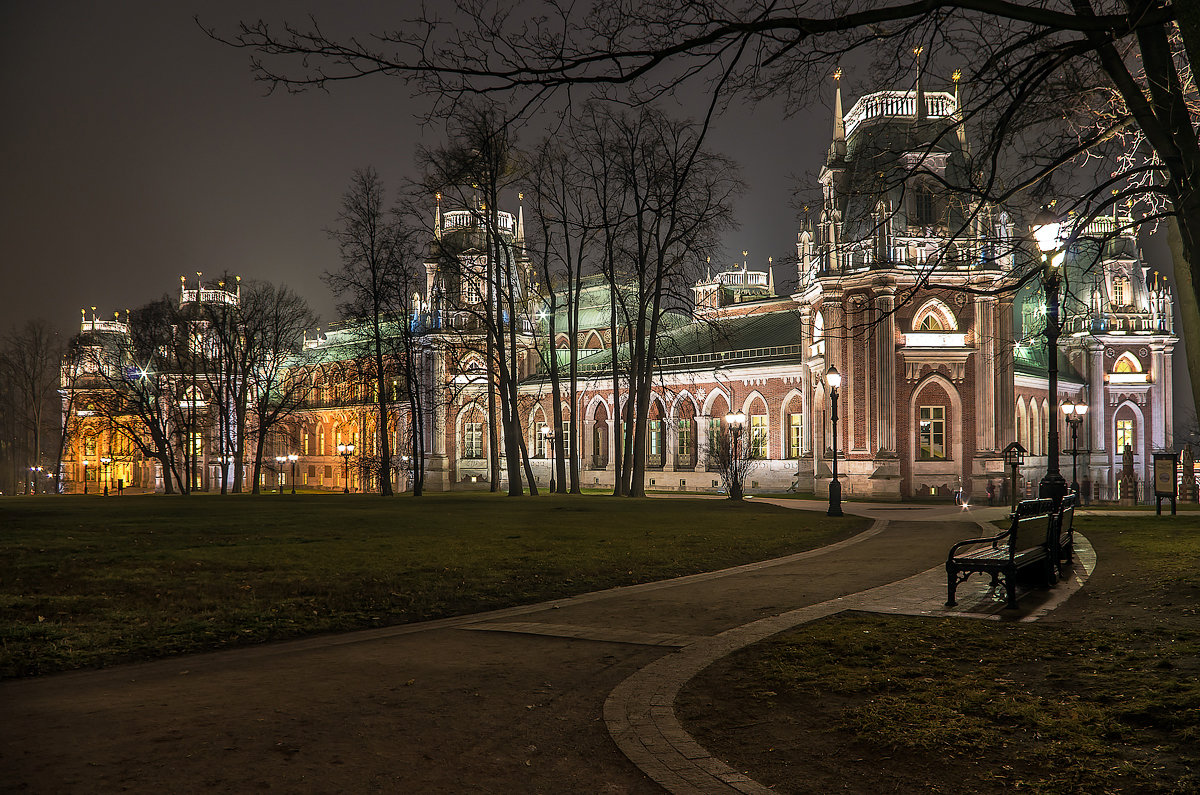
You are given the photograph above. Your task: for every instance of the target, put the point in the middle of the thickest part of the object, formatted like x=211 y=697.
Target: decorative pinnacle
x=918 y=50
x=956 y=76
x=837 y=74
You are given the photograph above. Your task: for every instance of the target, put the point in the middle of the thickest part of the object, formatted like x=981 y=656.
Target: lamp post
x=33 y=479
x=1014 y=456
x=85 y=466
x=106 y=461
x=834 y=379
x=1046 y=230
x=548 y=434
x=1074 y=415
x=293 y=458
x=345 y=451
x=279 y=459
x=736 y=423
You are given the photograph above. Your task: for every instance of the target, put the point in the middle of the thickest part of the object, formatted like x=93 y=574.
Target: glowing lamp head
x=1046 y=228
x=833 y=378
x=1068 y=408
x=1081 y=409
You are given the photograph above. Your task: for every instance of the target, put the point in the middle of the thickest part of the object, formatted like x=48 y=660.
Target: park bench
x=1030 y=542
x=1065 y=546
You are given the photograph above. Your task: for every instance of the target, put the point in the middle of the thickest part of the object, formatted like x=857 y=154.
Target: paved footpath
x=524 y=700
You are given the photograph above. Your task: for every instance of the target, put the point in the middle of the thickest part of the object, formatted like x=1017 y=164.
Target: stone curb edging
x=640 y=712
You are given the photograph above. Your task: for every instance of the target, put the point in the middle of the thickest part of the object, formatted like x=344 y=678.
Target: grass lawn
x=1103 y=695
x=87 y=581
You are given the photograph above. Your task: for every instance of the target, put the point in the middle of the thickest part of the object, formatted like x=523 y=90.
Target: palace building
x=902 y=287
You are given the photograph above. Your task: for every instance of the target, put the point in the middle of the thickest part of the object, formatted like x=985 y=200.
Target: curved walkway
x=518 y=700
x=640 y=712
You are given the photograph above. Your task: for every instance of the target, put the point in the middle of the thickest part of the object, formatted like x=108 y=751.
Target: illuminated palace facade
x=941 y=369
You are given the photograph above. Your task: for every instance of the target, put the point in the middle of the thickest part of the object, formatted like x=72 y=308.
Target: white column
x=885 y=370
x=985 y=358
x=1161 y=382
x=1006 y=399
x=1097 y=419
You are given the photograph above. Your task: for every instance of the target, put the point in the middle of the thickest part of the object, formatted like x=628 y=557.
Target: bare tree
x=372 y=245
x=479 y=163
x=731 y=454
x=1050 y=85
x=29 y=366
x=273 y=320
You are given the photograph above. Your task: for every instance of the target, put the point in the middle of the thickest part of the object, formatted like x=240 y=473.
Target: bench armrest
x=972 y=541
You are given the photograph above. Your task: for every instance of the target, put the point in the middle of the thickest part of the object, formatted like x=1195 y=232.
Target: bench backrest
x=1032 y=524
x=1066 y=519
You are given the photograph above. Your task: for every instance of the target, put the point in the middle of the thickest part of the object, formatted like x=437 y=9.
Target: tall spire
x=961 y=127
x=837 y=150
x=920 y=87
x=771 y=275
x=437 y=215
x=520 y=217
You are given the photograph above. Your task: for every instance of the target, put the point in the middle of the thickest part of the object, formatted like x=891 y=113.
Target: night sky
x=136 y=149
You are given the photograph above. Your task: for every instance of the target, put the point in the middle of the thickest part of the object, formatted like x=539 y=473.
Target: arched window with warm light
x=934 y=316
x=1127 y=363
x=818 y=335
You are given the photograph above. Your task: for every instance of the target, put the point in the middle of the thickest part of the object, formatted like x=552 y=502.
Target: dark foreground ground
x=1101 y=695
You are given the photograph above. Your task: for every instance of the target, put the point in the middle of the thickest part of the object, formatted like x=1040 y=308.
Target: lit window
x=715 y=437
x=1121 y=291
x=473 y=440
x=654 y=439
x=932 y=323
x=685 y=446
x=471 y=292
x=758 y=436
x=933 y=432
x=795 y=430
x=1126 y=364
x=542 y=446
x=1124 y=435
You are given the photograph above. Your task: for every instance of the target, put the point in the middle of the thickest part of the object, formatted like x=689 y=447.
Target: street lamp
x=548 y=434
x=279 y=459
x=834 y=379
x=1046 y=230
x=33 y=479
x=735 y=422
x=1014 y=456
x=293 y=458
x=1074 y=415
x=345 y=451
x=106 y=461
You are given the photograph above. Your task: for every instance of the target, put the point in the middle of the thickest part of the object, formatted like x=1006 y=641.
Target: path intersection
x=573 y=695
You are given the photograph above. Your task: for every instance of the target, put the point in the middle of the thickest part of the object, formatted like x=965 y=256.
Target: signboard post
x=1165 y=482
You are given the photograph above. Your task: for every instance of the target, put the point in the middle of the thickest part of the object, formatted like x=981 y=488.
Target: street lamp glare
x=1081 y=409
x=1046 y=228
x=833 y=378
x=1068 y=408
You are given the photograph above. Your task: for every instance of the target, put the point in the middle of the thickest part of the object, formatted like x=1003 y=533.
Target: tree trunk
x=1187 y=280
